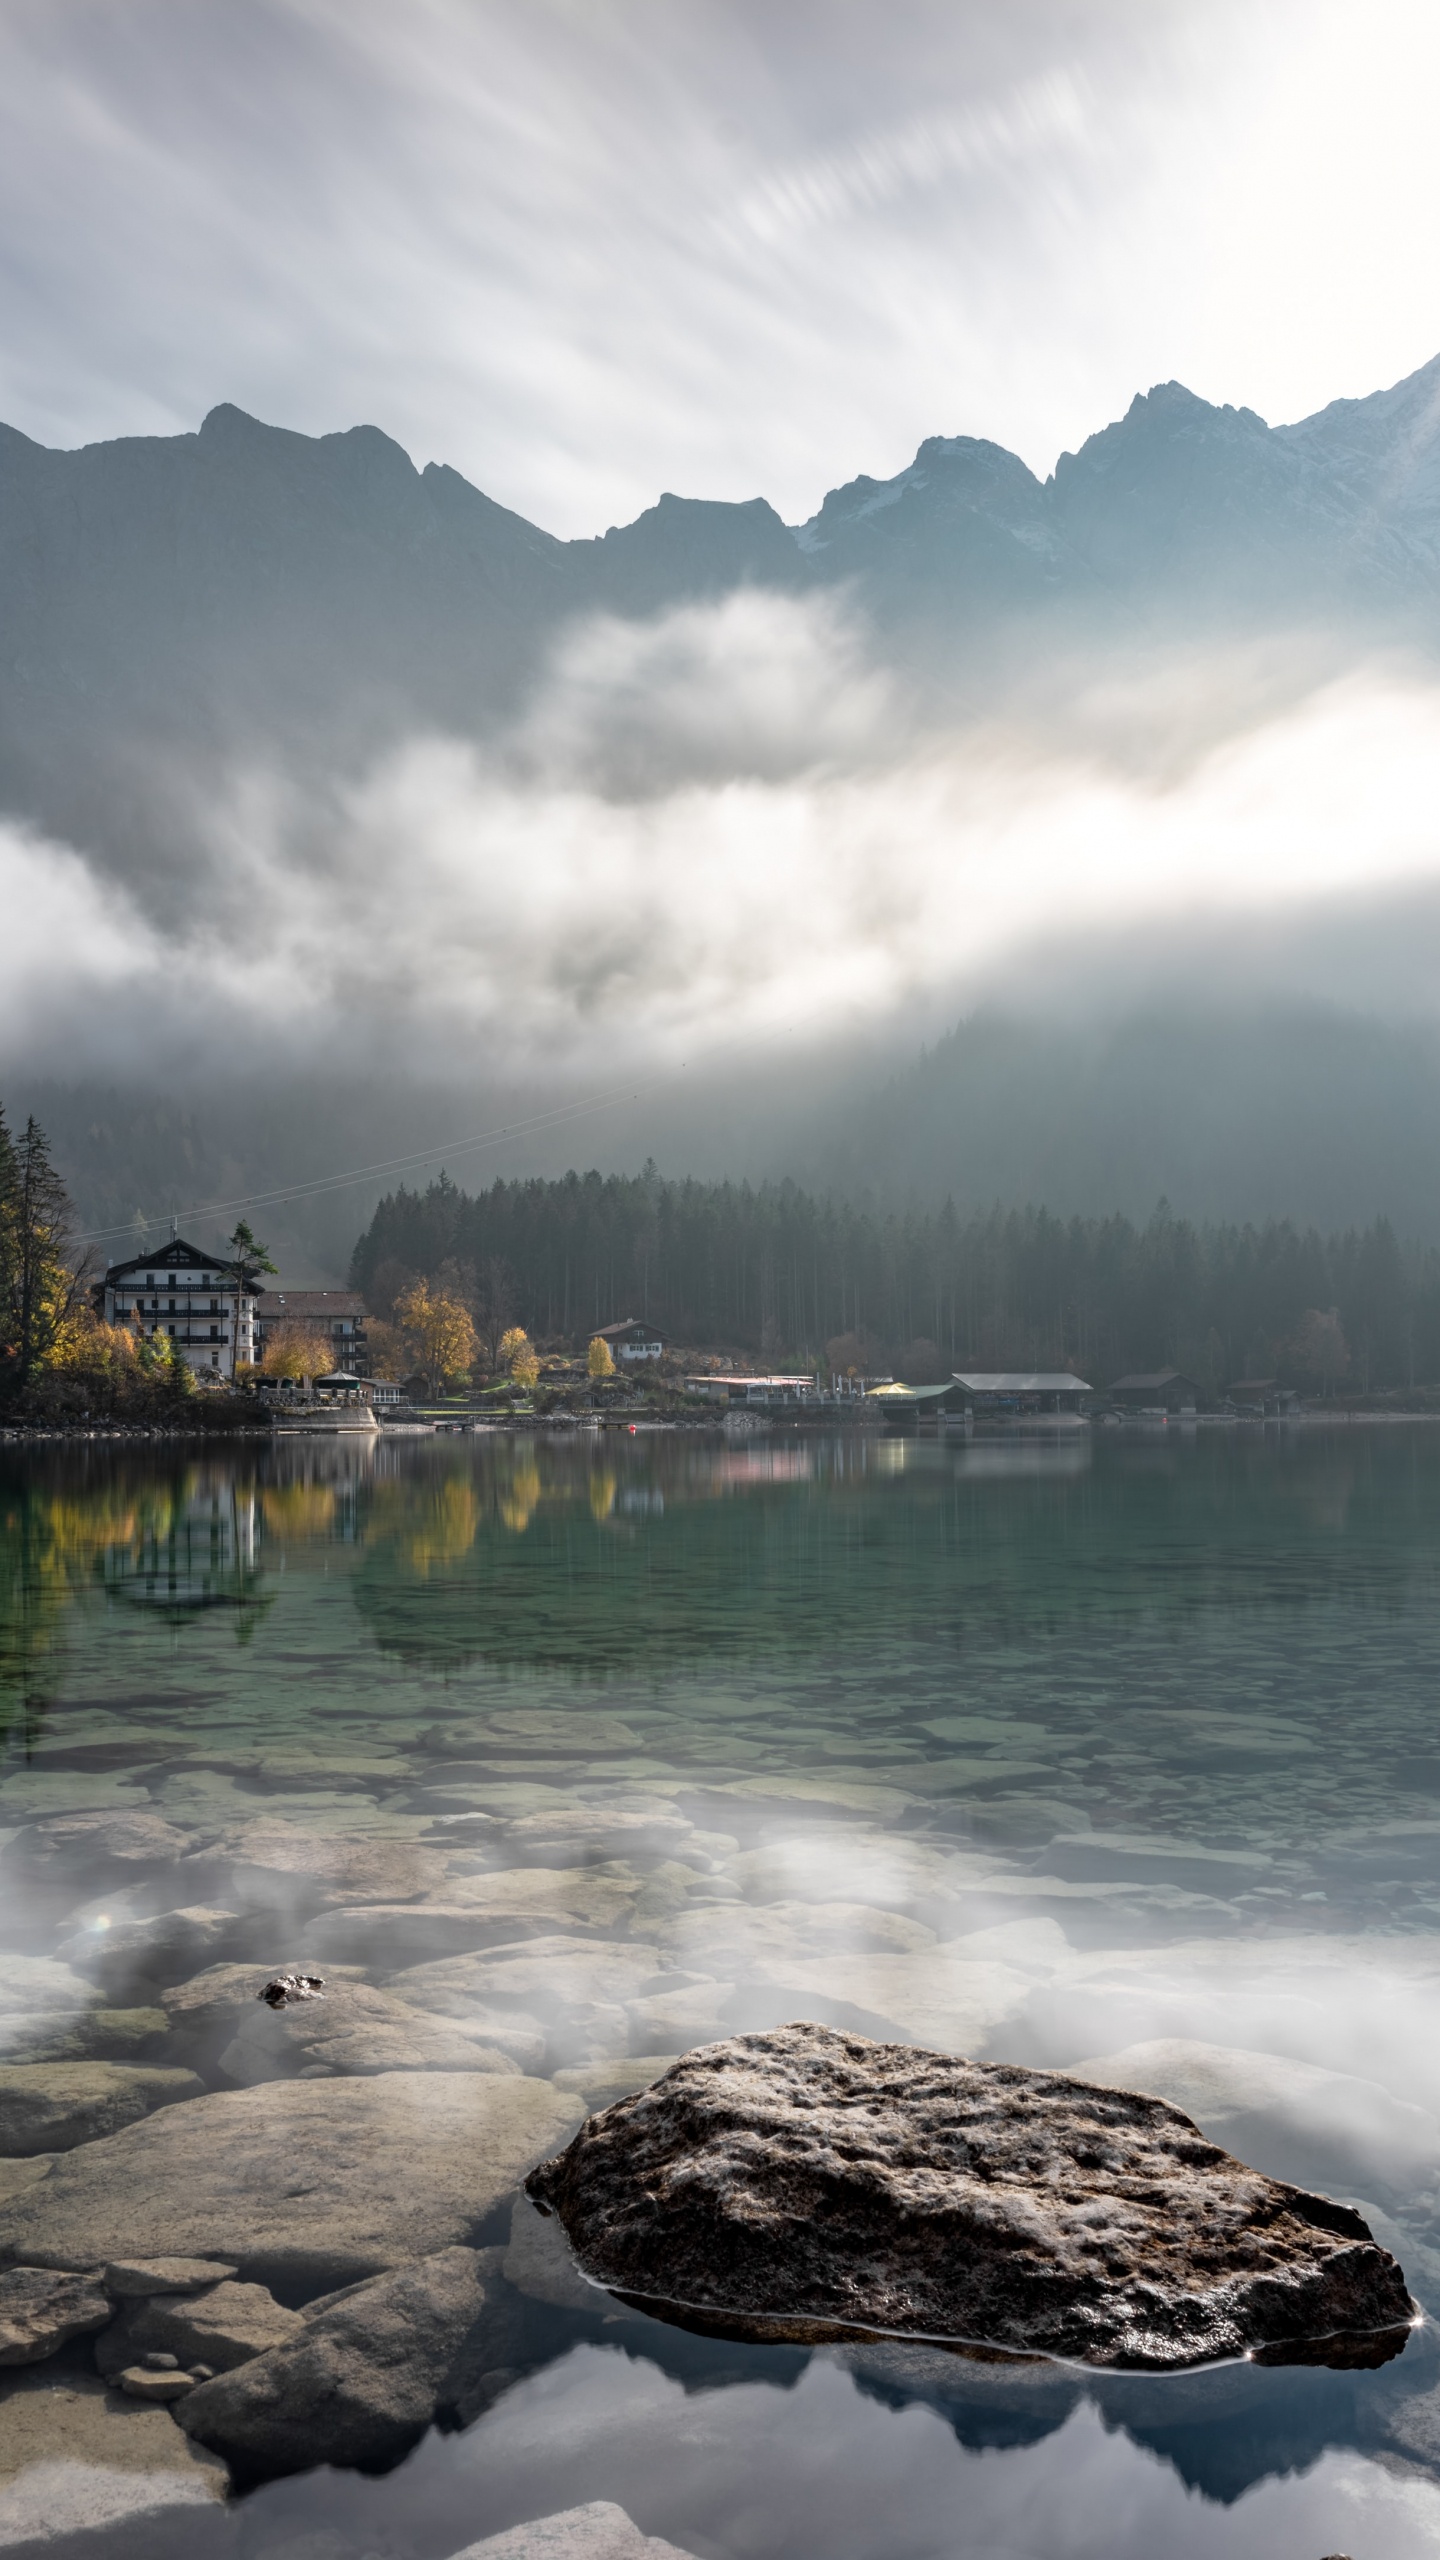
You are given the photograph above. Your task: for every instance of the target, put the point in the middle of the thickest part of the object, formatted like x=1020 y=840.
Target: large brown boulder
x=808 y=2183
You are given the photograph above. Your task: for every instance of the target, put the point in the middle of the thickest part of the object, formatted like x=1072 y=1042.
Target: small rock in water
x=139 y=2382
x=600 y=2531
x=807 y=2183
x=284 y=1989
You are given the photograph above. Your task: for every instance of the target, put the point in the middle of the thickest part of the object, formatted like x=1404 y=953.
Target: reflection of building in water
x=193 y=1546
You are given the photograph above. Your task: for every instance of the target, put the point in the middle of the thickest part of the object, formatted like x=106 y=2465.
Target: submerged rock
x=222 y=2327
x=135 y=2279
x=52 y=2106
x=358 y=2383
x=806 y=2183
x=42 y=2310
x=84 y=2468
x=1293 y=2119
x=156 y=1948
x=355 y=2029
x=538 y=2263
x=306 y=2184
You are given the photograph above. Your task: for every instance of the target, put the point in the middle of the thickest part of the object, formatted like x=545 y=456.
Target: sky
x=588 y=249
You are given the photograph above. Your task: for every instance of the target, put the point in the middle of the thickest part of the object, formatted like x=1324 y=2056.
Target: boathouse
x=1156 y=1391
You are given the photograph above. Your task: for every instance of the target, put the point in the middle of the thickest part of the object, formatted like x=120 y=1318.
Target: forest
x=779 y=1273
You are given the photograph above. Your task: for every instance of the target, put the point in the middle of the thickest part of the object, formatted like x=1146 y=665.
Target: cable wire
x=370 y=1172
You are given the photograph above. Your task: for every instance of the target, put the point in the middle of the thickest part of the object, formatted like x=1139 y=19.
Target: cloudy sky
x=589 y=249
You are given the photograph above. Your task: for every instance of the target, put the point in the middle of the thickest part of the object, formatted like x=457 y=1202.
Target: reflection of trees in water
x=179 y=1538
x=609 y=1559
x=624 y=1556
x=299 y=1510
x=36 y=1573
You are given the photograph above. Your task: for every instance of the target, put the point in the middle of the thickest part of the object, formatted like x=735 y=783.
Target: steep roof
x=1022 y=1382
x=177 y=1256
x=1154 y=1378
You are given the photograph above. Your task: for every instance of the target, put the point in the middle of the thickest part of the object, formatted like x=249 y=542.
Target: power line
x=369 y=1172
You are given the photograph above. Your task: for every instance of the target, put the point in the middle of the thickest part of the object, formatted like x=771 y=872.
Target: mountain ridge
x=174 y=607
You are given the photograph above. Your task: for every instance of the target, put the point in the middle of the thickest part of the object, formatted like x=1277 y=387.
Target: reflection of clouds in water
x=827 y=2467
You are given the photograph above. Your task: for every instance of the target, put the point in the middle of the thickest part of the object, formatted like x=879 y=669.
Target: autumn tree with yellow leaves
x=517 y=1354
x=297 y=1352
x=441 y=1331
x=600 y=1359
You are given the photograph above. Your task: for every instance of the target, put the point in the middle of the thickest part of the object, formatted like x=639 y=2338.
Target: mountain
x=1179 y=510
x=1236 y=1112
x=168 y=604
x=171 y=604
x=177 y=612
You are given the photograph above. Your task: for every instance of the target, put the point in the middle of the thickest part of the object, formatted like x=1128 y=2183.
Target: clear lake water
x=1041 y=1753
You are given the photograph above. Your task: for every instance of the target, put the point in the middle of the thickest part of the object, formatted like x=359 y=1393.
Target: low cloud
x=722 y=833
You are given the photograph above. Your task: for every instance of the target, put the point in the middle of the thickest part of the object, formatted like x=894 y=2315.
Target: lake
x=1124 y=1755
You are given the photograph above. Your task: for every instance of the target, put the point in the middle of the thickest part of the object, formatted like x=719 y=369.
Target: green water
x=1037 y=1753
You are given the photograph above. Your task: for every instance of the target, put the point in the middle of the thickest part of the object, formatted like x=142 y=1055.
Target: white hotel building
x=197 y=1300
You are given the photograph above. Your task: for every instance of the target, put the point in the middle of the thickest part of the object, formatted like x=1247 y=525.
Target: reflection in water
x=1122 y=1758
x=194 y=1550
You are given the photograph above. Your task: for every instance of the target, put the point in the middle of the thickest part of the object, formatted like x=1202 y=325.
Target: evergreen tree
x=9 y=1249
x=39 y=1290
x=249 y=1257
x=779 y=1272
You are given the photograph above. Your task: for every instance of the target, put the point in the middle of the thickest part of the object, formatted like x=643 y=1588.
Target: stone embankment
x=808 y=2184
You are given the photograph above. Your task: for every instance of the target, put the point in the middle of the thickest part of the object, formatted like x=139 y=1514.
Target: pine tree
x=44 y=1288
x=9 y=1249
x=250 y=1257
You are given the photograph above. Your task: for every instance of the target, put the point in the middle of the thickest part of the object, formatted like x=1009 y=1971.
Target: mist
x=727 y=829
x=721 y=881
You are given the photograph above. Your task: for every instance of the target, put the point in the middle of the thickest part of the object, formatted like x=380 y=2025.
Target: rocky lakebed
x=315 y=2269
x=461 y=2100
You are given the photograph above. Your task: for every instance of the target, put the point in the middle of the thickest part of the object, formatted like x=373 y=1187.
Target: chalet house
x=335 y=1316
x=187 y=1296
x=631 y=1339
